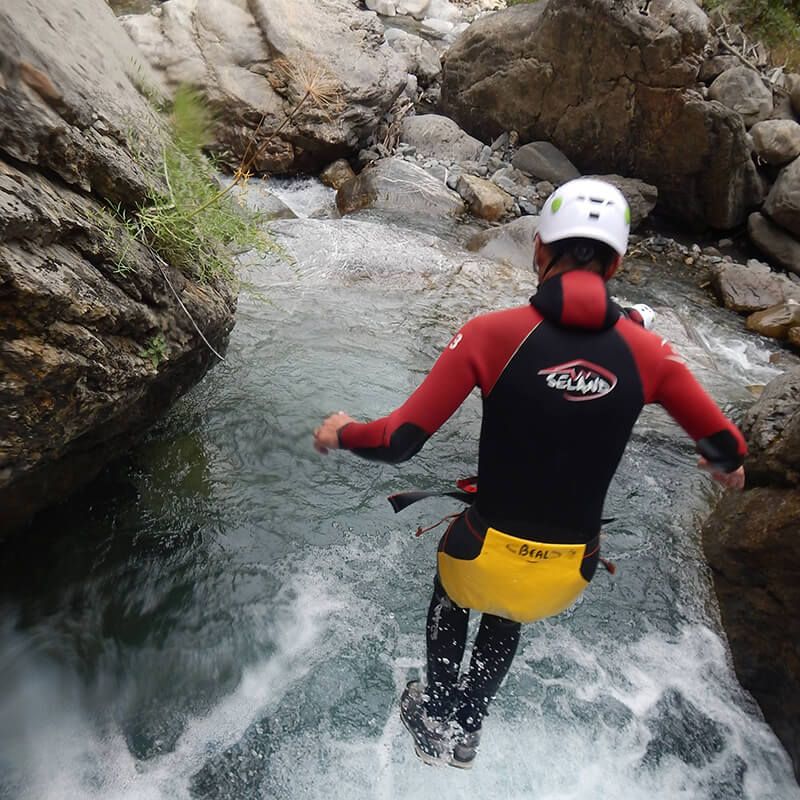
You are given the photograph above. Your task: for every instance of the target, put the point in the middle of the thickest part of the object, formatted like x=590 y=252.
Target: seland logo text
x=580 y=380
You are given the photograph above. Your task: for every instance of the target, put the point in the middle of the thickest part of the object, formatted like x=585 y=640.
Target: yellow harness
x=515 y=578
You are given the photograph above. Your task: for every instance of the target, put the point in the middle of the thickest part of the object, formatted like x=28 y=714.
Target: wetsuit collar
x=576 y=299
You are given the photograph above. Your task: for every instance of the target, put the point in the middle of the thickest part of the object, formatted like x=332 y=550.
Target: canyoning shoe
x=465 y=748
x=429 y=734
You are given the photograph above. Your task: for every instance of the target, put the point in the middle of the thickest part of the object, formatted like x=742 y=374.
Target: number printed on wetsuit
x=456 y=341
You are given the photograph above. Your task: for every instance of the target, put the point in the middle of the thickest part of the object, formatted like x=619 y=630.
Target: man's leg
x=446 y=637
x=495 y=646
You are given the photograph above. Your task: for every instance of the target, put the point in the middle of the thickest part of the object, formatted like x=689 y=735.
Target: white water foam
x=61 y=754
x=575 y=719
x=307 y=197
x=746 y=356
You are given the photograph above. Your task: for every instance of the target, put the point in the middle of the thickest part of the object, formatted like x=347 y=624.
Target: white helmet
x=589 y=209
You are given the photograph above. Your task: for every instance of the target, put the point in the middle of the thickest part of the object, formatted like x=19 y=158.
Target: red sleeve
x=474 y=357
x=667 y=380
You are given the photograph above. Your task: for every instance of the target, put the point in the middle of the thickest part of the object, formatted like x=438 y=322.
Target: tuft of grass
x=187 y=219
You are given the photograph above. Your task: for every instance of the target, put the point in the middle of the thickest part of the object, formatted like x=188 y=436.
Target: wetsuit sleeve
x=718 y=440
x=401 y=434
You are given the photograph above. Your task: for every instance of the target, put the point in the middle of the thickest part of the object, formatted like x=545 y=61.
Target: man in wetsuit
x=563 y=379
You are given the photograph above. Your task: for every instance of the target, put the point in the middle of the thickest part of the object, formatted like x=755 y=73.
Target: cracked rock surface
x=93 y=342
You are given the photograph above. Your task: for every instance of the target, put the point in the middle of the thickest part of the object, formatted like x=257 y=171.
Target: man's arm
x=719 y=442
x=400 y=435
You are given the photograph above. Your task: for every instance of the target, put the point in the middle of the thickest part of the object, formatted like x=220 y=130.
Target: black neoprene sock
x=492 y=654
x=446 y=636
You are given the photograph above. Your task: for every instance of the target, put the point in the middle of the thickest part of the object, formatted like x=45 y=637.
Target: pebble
x=545 y=188
x=500 y=143
x=506 y=184
x=439 y=171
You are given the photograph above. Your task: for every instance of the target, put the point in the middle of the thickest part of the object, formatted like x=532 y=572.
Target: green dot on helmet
x=556 y=204
x=628 y=215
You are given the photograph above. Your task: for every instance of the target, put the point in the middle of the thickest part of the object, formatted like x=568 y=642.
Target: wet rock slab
x=752 y=545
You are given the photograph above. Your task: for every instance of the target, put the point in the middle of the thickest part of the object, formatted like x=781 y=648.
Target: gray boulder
x=772 y=429
x=753 y=551
x=713 y=67
x=783 y=201
x=640 y=114
x=438 y=137
x=392 y=184
x=420 y=56
x=386 y=8
x=779 y=245
x=257 y=59
x=73 y=104
x=94 y=344
x=776 y=141
x=793 y=85
x=742 y=90
x=546 y=162
x=416 y=8
x=747 y=288
x=511 y=243
x=268 y=205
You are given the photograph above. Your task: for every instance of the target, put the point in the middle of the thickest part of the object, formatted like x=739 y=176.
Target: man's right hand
x=730 y=480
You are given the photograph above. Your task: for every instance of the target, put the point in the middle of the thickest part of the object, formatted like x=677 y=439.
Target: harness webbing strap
x=405 y=499
x=467 y=492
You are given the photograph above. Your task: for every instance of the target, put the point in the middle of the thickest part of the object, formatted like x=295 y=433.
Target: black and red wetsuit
x=563 y=380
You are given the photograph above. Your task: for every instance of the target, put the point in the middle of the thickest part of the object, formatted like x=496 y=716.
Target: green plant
x=114 y=237
x=187 y=219
x=775 y=22
x=147 y=90
x=156 y=350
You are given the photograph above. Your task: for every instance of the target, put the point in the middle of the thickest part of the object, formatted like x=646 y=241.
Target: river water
x=226 y=614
